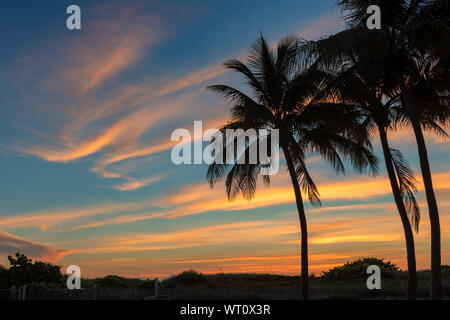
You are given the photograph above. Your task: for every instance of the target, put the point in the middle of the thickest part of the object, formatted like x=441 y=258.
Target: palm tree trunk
x=436 y=280
x=433 y=213
x=409 y=237
x=303 y=224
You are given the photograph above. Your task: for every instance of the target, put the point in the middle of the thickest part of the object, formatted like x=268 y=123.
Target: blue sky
x=85 y=124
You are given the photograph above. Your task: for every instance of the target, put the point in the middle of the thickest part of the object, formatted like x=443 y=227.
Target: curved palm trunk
x=431 y=201
x=303 y=224
x=409 y=237
x=433 y=213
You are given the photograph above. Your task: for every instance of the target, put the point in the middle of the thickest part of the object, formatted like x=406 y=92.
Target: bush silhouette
x=24 y=271
x=189 y=277
x=358 y=269
x=112 y=281
x=445 y=270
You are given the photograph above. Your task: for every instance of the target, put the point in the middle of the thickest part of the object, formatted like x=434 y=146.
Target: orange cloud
x=120 y=138
x=122 y=46
x=47 y=219
x=193 y=79
x=135 y=184
x=274 y=231
x=360 y=232
x=191 y=199
x=115 y=42
x=194 y=199
x=405 y=135
x=333 y=240
x=11 y=244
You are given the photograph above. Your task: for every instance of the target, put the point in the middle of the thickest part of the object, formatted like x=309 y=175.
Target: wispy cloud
x=262 y=231
x=190 y=200
x=47 y=219
x=193 y=79
x=122 y=134
x=115 y=42
x=11 y=244
x=278 y=233
x=134 y=184
x=123 y=44
x=333 y=240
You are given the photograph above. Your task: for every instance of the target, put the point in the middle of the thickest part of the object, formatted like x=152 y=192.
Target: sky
x=86 y=118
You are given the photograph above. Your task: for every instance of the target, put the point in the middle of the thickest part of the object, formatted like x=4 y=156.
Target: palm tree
x=284 y=91
x=418 y=66
x=349 y=81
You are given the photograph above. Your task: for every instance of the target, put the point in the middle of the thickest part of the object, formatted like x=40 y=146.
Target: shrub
x=357 y=269
x=112 y=281
x=25 y=271
x=4 y=279
x=189 y=277
x=146 y=284
x=445 y=270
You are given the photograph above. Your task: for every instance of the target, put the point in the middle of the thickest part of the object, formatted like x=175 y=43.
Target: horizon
x=86 y=118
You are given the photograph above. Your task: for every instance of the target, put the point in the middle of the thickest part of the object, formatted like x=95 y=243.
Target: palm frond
x=407 y=183
x=305 y=180
x=252 y=80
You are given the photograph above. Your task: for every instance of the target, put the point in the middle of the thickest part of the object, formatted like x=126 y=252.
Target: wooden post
x=12 y=293
x=156 y=288
x=95 y=292
x=24 y=292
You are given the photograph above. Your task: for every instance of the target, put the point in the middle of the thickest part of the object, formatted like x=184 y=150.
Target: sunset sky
x=85 y=124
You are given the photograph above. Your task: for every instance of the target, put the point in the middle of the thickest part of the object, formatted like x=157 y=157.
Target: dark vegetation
x=357 y=269
x=341 y=282
x=23 y=270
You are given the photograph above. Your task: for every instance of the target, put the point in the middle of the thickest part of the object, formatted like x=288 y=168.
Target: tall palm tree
x=284 y=91
x=418 y=66
x=350 y=81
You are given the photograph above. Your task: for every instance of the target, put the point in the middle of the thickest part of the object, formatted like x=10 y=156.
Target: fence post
x=95 y=292
x=12 y=293
x=156 y=288
x=24 y=292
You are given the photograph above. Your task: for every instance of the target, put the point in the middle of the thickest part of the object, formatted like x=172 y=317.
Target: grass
x=193 y=285
x=275 y=287
x=342 y=282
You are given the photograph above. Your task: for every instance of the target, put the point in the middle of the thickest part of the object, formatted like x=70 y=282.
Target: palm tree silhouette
x=351 y=81
x=285 y=92
x=416 y=68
